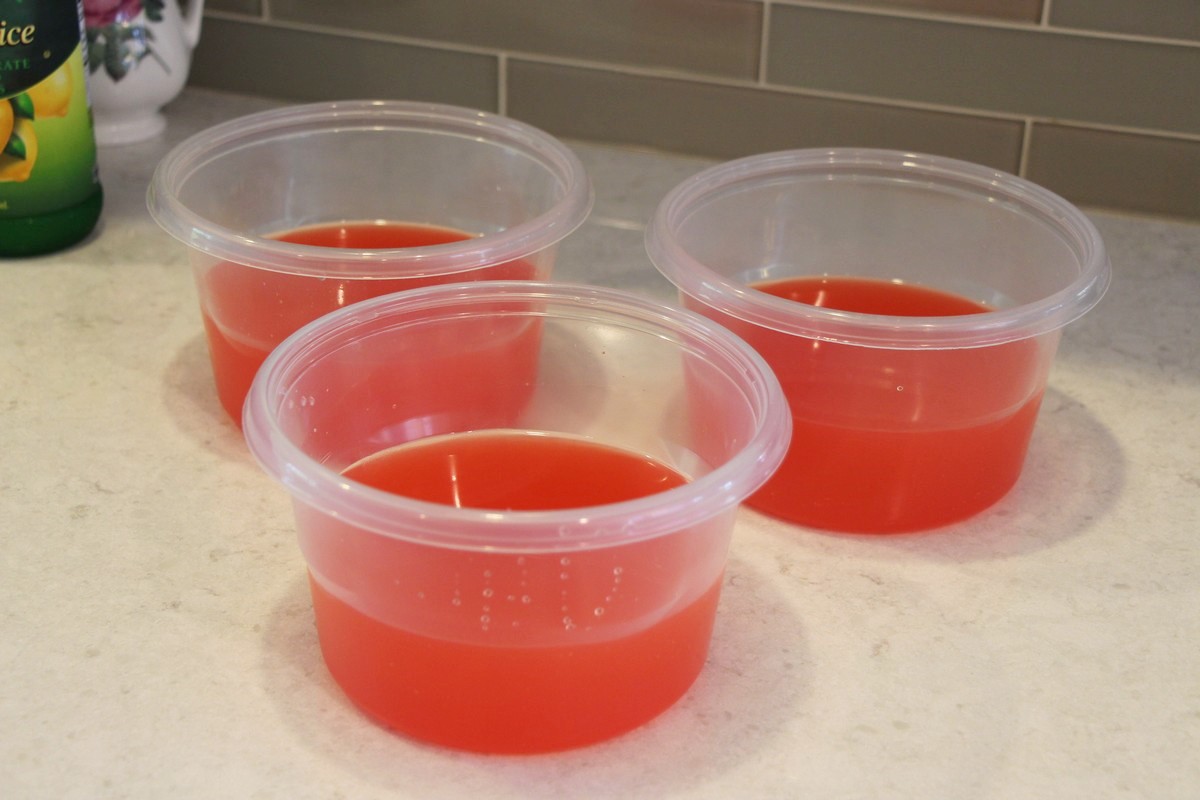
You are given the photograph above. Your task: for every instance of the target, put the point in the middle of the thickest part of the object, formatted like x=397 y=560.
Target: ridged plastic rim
x=695 y=279
x=527 y=531
x=531 y=236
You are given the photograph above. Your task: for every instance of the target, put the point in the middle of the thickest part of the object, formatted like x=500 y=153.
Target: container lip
x=573 y=529
x=531 y=236
x=698 y=281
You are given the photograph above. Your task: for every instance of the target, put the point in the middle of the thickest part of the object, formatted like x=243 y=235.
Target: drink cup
x=513 y=626
x=295 y=212
x=905 y=416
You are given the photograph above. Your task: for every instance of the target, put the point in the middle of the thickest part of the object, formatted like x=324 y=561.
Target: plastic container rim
x=704 y=284
x=524 y=239
x=572 y=529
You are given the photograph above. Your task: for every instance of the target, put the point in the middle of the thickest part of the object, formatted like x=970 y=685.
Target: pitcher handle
x=191 y=22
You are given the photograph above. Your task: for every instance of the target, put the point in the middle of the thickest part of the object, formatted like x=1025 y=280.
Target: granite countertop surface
x=156 y=636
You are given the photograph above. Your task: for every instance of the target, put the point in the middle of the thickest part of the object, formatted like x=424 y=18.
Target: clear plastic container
x=515 y=628
x=336 y=172
x=901 y=422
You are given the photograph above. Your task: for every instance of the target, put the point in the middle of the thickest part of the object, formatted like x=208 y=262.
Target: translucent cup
x=900 y=423
x=440 y=172
x=521 y=631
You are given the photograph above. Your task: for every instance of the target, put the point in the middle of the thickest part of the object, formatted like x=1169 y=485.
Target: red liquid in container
x=248 y=311
x=888 y=440
x=518 y=653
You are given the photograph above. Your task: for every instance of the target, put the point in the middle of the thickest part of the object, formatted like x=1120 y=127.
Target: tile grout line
x=764 y=38
x=1026 y=139
x=502 y=84
x=1045 y=18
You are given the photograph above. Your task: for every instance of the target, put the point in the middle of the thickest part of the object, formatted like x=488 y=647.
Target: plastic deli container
x=932 y=293
x=295 y=212
x=587 y=452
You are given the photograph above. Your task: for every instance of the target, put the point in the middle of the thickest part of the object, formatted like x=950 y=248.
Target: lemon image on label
x=18 y=138
x=20 y=151
x=7 y=118
x=52 y=97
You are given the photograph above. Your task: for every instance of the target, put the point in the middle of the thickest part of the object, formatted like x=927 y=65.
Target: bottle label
x=47 y=145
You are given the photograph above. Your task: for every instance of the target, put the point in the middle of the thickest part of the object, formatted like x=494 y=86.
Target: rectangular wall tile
x=1174 y=19
x=248 y=7
x=714 y=37
x=1025 y=71
x=1011 y=10
x=1148 y=174
x=301 y=65
x=722 y=121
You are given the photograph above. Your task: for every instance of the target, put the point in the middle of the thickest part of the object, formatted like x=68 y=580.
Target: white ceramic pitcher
x=139 y=53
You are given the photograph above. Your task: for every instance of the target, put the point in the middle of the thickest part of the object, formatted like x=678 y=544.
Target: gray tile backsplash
x=241 y=6
x=1016 y=10
x=1172 y=19
x=707 y=37
x=1013 y=70
x=1096 y=99
x=1153 y=175
x=310 y=65
x=730 y=121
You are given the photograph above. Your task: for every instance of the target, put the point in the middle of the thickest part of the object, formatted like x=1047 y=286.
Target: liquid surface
x=518 y=653
x=515 y=471
x=893 y=440
x=372 y=235
x=871 y=296
x=248 y=311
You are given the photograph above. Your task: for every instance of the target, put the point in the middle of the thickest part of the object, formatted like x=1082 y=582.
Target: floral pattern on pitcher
x=116 y=41
x=123 y=38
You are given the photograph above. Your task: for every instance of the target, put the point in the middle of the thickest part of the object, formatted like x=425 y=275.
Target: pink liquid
x=522 y=653
x=893 y=440
x=249 y=311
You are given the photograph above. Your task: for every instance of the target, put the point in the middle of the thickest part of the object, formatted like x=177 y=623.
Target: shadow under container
x=900 y=423
x=374 y=197
x=515 y=631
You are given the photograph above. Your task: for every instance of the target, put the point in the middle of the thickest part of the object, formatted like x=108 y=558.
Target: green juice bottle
x=50 y=195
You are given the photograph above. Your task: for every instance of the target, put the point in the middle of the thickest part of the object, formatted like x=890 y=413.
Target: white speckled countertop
x=156 y=638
